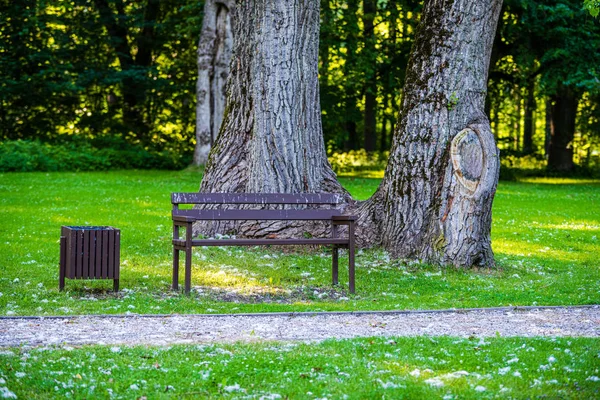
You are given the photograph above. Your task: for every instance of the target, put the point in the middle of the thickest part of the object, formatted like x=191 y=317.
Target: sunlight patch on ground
x=518 y=248
x=560 y=181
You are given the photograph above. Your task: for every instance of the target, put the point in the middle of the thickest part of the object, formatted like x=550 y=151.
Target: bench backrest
x=258 y=199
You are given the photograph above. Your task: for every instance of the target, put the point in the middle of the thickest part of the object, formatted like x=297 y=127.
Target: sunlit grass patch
x=545 y=236
x=417 y=367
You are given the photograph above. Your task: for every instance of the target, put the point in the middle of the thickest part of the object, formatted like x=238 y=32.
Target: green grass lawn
x=414 y=368
x=545 y=236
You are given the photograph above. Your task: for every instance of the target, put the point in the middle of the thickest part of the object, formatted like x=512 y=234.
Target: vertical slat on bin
x=85 y=273
x=104 y=252
x=63 y=258
x=99 y=254
x=79 y=253
x=111 y=254
x=117 y=253
x=72 y=252
x=92 y=270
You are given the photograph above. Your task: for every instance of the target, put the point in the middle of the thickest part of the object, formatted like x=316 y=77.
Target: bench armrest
x=344 y=218
x=183 y=218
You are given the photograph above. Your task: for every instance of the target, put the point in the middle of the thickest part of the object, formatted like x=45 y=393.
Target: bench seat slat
x=259 y=242
x=237 y=215
x=255 y=198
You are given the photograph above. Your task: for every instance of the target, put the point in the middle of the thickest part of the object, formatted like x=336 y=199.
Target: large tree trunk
x=563 y=114
x=214 y=55
x=434 y=203
x=271 y=140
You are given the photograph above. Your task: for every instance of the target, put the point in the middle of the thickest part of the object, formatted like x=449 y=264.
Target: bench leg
x=351 y=257
x=188 y=270
x=188 y=258
x=175 y=285
x=116 y=285
x=334 y=256
x=62 y=263
x=334 y=264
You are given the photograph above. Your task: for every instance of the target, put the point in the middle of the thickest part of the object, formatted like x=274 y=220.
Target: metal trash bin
x=89 y=252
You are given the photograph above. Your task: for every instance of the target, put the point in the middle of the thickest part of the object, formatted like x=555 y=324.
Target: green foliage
x=78 y=155
x=545 y=49
x=91 y=68
x=346 y=64
x=592 y=6
x=364 y=368
x=544 y=236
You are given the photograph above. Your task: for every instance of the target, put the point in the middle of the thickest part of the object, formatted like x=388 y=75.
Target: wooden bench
x=186 y=217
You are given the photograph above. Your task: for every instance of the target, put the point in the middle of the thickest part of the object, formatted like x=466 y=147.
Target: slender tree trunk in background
x=435 y=200
x=529 y=121
x=370 y=121
x=214 y=56
x=549 y=127
x=517 y=119
x=563 y=114
x=350 y=90
x=384 y=123
x=382 y=143
x=271 y=140
x=495 y=122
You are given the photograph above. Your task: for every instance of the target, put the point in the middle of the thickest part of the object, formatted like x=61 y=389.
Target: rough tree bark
x=434 y=203
x=271 y=140
x=214 y=55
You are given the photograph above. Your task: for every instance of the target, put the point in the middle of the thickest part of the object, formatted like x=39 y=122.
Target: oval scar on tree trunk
x=467 y=158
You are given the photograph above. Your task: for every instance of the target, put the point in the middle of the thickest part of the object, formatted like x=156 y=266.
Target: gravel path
x=162 y=330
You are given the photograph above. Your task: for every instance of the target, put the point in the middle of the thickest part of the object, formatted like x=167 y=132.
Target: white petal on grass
x=455 y=375
x=551 y=359
x=517 y=374
x=389 y=385
x=593 y=378
x=115 y=349
x=270 y=396
x=134 y=387
x=480 y=389
x=233 y=388
x=503 y=371
x=20 y=374
x=7 y=394
x=435 y=382
x=512 y=360
x=416 y=372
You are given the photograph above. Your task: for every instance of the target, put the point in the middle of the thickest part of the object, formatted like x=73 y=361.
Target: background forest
x=104 y=84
